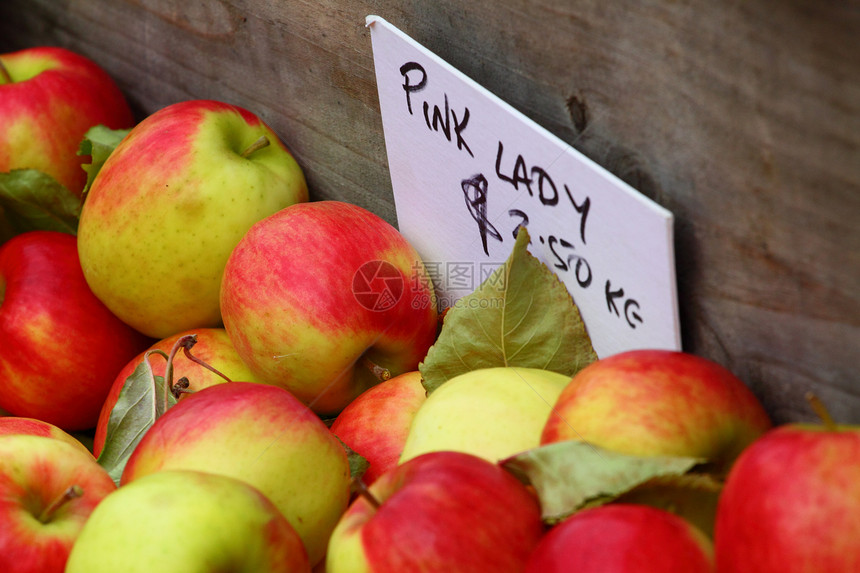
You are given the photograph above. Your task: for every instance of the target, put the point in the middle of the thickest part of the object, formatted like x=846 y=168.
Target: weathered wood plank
x=742 y=118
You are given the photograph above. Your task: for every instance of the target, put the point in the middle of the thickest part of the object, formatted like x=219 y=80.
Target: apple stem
x=71 y=493
x=821 y=411
x=4 y=74
x=192 y=358
x=262 y=142
x=381 y=373
x=185 y=342
x=181 y=387
x=361 y=489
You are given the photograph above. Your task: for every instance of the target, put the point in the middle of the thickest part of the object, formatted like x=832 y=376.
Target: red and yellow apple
x=659 y=402
x=375 y=424
x=48 y=489
x=49 y=98
x=60 y=347
x=440 y=512
x=169 y=205
x=791 y=503
x=187 y=522
x=321 y=296
x=260 y=434
x=213 y=347
x=13 y=425
x=623 y=538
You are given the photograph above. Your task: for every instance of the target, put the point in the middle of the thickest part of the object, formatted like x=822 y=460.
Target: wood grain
x=743 y=118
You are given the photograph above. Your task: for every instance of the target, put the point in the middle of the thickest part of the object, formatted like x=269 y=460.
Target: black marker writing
x=475 y=194
x=410 y=87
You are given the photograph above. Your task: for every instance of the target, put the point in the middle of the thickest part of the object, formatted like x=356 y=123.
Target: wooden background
x=743 y=118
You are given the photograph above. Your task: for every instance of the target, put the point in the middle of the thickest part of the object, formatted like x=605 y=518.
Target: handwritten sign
x=468 y=169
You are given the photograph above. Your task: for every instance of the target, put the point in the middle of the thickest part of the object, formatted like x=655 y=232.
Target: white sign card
x=468 y=169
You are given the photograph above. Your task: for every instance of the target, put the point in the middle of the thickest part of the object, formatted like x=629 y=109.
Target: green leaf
x=358 y=464
x=693 y=496
x=143 y=399
x=99 y=142
x=572 y=475
x=522 y=315
x=33 y=200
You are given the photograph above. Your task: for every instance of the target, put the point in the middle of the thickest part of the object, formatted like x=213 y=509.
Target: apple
x=326 y=299
x=49 y=98
x=188 y=522
x=659 y=402
x=443 y=511
x=12 y=425
x=791 y=501
x=48 y=489
x=171 y=202
x=213 y=347
x=60 y=347
x=489 y=412
x=623 y=538
x=375 y=424
x=260 y=434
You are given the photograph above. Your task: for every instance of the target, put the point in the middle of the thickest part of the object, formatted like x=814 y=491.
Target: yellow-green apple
x=60 y=347
x=489 y=412
x=321 y=297
x=213 y=347
x=791 y=502
x=440 y=512
x=49 y=98
x=12 y=425
x=260 y=434
x=187 y=522
x=659 y=402
x=171 y=202
x=623 y=538
x=48 y=489
x=375 y=424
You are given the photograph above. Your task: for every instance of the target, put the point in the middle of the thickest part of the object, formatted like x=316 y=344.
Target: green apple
x=48 y=489
x=659 y=402
x=323 y=296
x=260 y=434
x=490 y=412
x=440 y=512
x=49 y=98
x=791 y=502
x=623 y=538
x=187 y=522
x=375 y=425
x=170 y=204
x=213 y=347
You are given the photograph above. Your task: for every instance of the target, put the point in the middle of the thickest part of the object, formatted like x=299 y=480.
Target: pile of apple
x=203 y=370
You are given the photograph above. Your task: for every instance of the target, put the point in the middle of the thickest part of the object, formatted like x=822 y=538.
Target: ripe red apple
x=12 y=425
x=623 y=538
x=262 y=435
x=659 y=402
x=48 y=489
x=375 y=424
x=49 y=98
x=60 y=347
x=169 y=205
x=320 y=295
x=213 y=347
x=439 y=512
x=791 y=503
